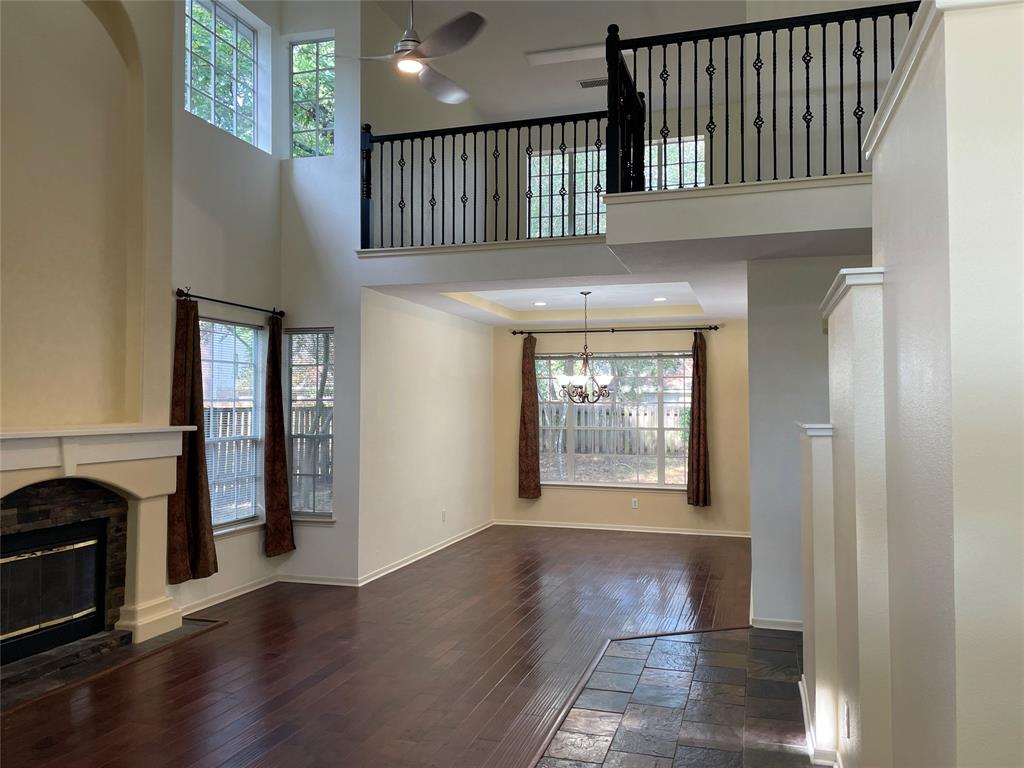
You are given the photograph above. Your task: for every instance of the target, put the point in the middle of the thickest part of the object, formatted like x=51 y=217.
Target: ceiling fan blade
x=441 y=88
x=450 y=37
x=384 y=57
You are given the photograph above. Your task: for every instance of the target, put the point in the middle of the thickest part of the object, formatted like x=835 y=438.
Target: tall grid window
x=581 y=174
x=638 y=436
x=220 y=68
x=312 y=89
x=674 y=164
x=311 y=419
x=231 y=356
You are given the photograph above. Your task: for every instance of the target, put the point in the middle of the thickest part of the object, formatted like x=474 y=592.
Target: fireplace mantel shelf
x=68 y=447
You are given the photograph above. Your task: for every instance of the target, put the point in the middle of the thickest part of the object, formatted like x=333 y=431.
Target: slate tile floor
x=725 y=699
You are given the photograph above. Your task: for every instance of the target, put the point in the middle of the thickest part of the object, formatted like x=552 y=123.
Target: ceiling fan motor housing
x=410 y=40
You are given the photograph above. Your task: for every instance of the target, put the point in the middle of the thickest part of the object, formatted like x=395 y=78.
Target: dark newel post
x=366 y=191
x=639 y=182
x=613 y=145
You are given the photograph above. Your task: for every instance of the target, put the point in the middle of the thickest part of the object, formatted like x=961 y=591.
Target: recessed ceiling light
x=540 y=303
x=660 y=298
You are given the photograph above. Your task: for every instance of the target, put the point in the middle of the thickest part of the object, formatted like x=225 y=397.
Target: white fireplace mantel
x=70 y=447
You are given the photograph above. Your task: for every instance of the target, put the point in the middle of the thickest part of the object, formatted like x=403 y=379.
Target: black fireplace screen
x=53 y=587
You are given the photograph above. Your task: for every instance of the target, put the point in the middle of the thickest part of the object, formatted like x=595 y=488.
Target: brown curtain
x=698 y=482
x=191 y=553
x=276 y=498
x=529 y=425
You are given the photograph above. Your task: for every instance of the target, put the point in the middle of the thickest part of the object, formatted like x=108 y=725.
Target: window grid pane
x=220 y=68
x=312 y=98
x=638 y=436
x=311 y=412
x=232 y=419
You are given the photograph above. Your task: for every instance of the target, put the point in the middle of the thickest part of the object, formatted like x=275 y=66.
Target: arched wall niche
x=73 y=267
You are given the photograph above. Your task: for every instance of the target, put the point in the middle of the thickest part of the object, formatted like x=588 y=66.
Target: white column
x=148 y=610
x=819 y=684
x=853 y=310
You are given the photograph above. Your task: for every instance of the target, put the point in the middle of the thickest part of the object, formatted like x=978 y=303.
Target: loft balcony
x=750 y=130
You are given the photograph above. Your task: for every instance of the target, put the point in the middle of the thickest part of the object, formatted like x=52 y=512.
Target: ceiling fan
x=413 y=56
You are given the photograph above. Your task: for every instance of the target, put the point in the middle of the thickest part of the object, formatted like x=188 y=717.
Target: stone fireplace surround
x=138 y=463
x=57 y=503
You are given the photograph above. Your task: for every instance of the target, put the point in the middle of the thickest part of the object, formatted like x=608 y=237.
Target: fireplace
x=62 y=564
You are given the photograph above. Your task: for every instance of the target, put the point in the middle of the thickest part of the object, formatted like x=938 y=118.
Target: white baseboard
x=626 y=528
x=788 y=625
x=377 y=573
x=818 y=756
x=220 y=597
x=327 y=581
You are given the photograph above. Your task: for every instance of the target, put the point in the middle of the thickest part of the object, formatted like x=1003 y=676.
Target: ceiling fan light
x=410 y=66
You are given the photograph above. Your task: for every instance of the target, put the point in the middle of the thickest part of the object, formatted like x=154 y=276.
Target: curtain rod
x=186 y=293
x=519 y=332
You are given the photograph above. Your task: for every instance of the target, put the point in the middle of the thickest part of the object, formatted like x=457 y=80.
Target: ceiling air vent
x=594 y=82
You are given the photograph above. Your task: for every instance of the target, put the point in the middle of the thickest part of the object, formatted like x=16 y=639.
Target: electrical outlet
x=444 y=515
x=636 y=503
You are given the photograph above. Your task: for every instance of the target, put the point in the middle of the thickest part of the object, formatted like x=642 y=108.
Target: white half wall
x=788 y=380
x=426 y=474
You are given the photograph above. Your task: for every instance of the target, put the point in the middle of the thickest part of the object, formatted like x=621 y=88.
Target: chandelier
x=585 y=387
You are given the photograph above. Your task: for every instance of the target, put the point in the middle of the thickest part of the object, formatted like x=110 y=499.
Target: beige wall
x=426 y=429
x=64 y=260
x=727 y=427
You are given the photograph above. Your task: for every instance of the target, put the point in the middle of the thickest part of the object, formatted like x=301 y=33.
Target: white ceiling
x=603 y=296
x=494 y=68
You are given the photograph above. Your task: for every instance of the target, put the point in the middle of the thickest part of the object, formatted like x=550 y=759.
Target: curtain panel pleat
x=698 y=474
x=191 y=553
x=276 y=497
x=529 y=424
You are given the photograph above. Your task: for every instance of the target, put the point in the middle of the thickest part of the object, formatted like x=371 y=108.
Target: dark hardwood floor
x=462 y=660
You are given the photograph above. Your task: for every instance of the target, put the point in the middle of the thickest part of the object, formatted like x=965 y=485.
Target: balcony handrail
x=768 y=25
x=481 y=127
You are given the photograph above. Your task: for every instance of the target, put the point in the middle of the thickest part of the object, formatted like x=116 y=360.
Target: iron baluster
x=758 y=120
x=892 y=42
x=433 y=198
x=808 y=116
x=775 y=122
x=743 y=111
x=842 y=108
x=506 y=184
x=664 y=132
x=874 y=59
x=562 y=191
x=727 y=109
x=529 y=182
x=709 y=176
x=679 y=113
x=824 y=101
x=464 y=199
x=695 y=112
x=790 y=64
x=858 y=111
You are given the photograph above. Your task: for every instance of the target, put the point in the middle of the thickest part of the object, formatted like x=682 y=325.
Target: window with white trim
x=220 y=68
x=581 y=174
x=638 y=436
x=312 y=98
x=674 y=164
x=232 y=358
x=311 y=420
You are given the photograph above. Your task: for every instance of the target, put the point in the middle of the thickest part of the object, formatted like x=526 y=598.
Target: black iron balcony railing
x=731 y=100
x=514 y=180
x=777 y=99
